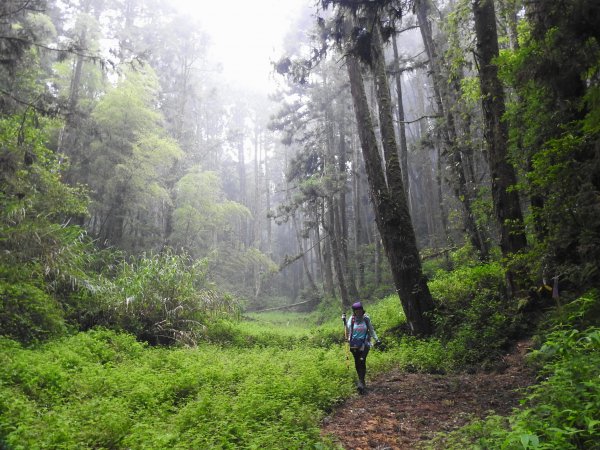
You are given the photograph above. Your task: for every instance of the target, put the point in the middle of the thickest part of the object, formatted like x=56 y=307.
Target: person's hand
x=377 y=343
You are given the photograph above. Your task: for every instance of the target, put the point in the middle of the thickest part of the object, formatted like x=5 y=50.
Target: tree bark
x=329 y=287
x=389 y=200
x=401 y=124
x=506 y=201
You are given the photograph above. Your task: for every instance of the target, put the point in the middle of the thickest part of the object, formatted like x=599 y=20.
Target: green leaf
x=529 y=441
x=591 y=423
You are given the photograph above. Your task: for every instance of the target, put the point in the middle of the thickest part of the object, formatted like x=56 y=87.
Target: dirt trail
x=402 y=409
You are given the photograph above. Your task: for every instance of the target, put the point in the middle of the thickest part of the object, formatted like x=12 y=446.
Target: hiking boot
x=361 y=387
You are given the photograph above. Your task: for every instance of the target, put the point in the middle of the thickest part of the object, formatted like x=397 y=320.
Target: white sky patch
x=246 y=34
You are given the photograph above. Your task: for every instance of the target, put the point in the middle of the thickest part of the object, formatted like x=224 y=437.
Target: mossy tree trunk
x=388 y=195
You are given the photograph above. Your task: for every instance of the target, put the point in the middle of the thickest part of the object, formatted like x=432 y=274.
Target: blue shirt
x=361 y=330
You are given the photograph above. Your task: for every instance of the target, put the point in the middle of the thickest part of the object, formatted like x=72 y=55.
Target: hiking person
x=359 y=332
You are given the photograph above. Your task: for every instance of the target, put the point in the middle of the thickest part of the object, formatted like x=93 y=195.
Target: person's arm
x=372 y=332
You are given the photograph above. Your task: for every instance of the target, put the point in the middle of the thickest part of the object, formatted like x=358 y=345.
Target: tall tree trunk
x=304 y=258
x=440 y=194
x=334 y=226
x=243 y=197
x=256 y=234
x=389 y=201
x=512 y=10
x=442 y=238
x=364 y=236
x=378 y=258
x=317 y=245
x=448 y=132
x=337 y=253
x=401 y=124
x=327 y=271
x=341 y=221
x=68 y=137
x=296 y=232
x=112 y=230
x=429 y=201
x=506 y=201
x=358 y=223
x=269 y=245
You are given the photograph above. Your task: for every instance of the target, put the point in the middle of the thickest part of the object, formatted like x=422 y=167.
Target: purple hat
x=357 y=305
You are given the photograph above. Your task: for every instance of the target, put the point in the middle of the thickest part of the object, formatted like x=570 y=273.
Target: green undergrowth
x=473 y=318
x=562 y=411
x=265 y=380
x=321 y=328
x=103 y=389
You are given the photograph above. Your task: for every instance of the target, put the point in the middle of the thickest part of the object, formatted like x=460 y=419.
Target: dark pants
x=360 y=361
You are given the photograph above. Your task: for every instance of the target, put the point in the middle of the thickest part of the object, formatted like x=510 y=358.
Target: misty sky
x=246 y=35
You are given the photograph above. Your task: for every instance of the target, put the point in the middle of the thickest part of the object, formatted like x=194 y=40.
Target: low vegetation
x=562 y=411
x=267 y=380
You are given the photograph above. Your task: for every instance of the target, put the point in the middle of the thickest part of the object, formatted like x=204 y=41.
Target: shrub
x=38 y=251
x=472 y=317
x=166 y=298
x=387 y=315
x=27 y=313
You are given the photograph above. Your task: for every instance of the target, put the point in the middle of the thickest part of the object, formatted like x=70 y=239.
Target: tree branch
x=74 y=50
x=24 y=7
x=287 y=261
x=412 y=27
x=284 y=306
x=420 y=118
x=45 y=111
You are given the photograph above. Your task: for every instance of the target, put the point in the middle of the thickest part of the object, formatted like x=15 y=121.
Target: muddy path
x=402 y=410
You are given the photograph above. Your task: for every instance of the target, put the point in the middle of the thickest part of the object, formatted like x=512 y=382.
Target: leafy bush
x=582 y=313
x=434 y=264
x=473 y=319
x=27 y=313
x=40 y=254
x=165 y=298
x=387 y=315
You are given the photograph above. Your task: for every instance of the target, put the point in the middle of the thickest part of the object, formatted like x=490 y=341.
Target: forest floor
x=401 y=410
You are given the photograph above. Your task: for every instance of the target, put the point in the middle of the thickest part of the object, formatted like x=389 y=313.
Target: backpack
x=358 y=343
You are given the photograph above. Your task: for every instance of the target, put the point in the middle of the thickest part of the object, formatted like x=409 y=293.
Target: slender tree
x=448 y=130
x=503 y=177
x=400 y=113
